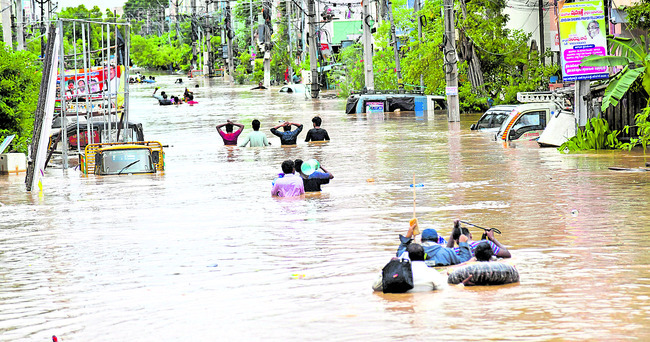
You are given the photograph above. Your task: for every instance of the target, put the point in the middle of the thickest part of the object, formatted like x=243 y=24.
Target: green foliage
x=139 y=9
x=595 y=136
x=638 y=15
x=635 y=58
x=643 y=131
x=160 y=52
x=424 y=57
x=507 y=64
x=20 y=78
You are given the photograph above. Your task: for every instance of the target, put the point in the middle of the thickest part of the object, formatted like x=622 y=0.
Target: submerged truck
x=123 y=158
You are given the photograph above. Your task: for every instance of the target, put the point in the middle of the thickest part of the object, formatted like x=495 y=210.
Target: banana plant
x=635 y=60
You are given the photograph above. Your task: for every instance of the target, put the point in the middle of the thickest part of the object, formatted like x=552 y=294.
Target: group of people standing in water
x=295 y=179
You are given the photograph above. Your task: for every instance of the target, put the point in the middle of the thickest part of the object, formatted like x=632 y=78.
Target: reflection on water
x=202 y=251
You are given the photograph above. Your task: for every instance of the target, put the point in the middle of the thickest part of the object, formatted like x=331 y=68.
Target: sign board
x=374 y=107
x=581 y=36
x=451 y=90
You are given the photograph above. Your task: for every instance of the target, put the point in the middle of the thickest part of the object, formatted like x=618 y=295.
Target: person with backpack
x=423 y=277
x=437 y=255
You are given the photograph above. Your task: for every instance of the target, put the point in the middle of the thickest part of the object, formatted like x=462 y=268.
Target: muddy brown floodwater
x=203 y=253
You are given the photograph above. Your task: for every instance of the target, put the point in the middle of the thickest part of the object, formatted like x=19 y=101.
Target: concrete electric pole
x=416 y=10
x=367 y=47
x=313 y=50
x=451 y=68
x=6 y=8
x=398 y=68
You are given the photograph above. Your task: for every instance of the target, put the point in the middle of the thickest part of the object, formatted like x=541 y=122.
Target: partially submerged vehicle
x=492 y=119
x=123 y=158
x=392 y=101
x=527 y=121
x=297 y=88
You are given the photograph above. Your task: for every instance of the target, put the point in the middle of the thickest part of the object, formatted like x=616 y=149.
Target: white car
x=527 y=121
x=293 y=88
x=492 y=119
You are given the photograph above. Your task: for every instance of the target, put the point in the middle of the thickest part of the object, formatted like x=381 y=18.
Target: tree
x=20 y=78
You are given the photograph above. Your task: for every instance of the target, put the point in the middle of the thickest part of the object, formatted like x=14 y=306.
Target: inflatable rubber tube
x=484 y=273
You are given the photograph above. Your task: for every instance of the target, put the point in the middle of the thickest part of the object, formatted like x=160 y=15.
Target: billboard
x=93 y=83
x=582 y=34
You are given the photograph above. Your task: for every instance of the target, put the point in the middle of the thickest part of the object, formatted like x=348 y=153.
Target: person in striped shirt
x=499 y=250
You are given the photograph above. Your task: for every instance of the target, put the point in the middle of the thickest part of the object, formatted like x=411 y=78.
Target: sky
x=103 y=4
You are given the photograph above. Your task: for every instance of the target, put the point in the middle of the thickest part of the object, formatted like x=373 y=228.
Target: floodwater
x=202 y=252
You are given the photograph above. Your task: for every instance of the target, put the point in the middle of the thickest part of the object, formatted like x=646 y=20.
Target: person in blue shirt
x=314 y=180
x=288 y=137
x=436 y=255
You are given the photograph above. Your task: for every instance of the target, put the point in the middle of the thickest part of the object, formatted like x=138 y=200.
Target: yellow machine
x=123 y=158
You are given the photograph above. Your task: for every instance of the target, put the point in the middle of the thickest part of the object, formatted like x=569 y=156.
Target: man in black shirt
x=315 y=179
x=317 y=133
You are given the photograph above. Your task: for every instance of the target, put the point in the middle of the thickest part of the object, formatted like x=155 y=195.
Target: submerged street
x=202 y=252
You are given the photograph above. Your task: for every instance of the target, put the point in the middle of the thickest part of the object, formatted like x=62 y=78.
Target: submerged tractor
x=123 y=158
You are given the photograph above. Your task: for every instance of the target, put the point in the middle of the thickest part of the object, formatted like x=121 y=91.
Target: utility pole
x=251 y=48
x=451 y=68
x=398 y=68
x=289 y=33
x=313 y=52
x=229 y=35
x=367 y=47
x=20 y=21
x=194 y=35
x=6 y=7
x=266 y=14
x=542 y=48
x=416 y=10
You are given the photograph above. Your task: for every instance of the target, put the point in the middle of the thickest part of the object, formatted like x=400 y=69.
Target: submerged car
x=293 y=88
x=123 y=158
x=493 y=118
x=527 y=121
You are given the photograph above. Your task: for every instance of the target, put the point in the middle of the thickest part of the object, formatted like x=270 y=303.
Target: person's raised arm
x=451 y=242
x=503 y=251
x=404 y=241
x=238 y=125
x=329 y=173
x=463 y=248
x=221 y=125
x=280 y=125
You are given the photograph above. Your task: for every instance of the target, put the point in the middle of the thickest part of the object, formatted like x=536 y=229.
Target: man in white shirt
x=424 y=277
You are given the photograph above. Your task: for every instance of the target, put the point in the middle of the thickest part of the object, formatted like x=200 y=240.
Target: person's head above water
x=287 y=127
x=416 y=252
x=256 y=125
x=317 y=121
x=430 y=235
x=298 y=165
x=229 y=127
x=483 y=251
x=287 y=166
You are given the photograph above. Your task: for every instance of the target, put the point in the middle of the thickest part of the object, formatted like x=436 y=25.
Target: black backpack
x=397 y=276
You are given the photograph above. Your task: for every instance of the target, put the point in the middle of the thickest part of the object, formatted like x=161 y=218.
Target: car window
x=485 y=121
x=530 y=121
x=498 y=119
